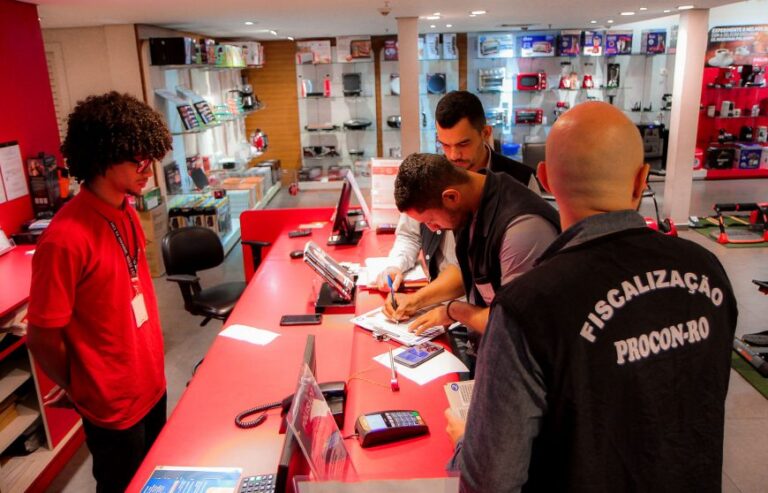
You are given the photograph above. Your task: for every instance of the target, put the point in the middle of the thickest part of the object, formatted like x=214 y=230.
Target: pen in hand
x=392 y=292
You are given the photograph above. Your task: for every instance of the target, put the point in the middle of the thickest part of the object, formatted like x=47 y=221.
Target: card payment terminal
x=389 y=426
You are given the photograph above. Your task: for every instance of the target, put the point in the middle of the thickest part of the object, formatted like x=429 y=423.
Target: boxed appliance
x=154 y=223
x=529 y=116
x=748 y=156
x=720 y=157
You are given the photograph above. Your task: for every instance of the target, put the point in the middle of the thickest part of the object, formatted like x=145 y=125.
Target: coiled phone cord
x=240 y=418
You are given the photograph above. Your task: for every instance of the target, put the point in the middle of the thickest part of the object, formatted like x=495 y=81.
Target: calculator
x=264 y=483
x=389 y=426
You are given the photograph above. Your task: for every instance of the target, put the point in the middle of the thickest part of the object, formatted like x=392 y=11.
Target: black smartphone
x=299 y=233
x=312 y=319
x=418 y=354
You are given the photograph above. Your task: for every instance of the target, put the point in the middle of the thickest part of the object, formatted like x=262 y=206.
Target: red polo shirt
x=81 y=285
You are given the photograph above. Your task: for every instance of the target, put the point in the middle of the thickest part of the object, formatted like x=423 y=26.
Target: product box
x=43 y=184
x=149 y=199
x=618 y=43
x=541 y=45
x=720 y=157
x=592 y=43
x=569 y=43
x=654 y=42
x=764 y=158
x=748 y=156
x=154 y=223
x=171 y=51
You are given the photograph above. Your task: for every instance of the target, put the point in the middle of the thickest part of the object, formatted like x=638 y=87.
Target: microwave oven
x=533 y=81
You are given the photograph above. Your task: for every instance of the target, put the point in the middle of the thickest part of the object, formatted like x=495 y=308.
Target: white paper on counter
x=249 y=334
x=440 y=365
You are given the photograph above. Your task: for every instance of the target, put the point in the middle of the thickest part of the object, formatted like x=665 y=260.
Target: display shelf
x=730 y=174
x=204 y=66
x=262 y=204
x=322 y=184
x=18 y=473
x=734 y=117
x=222 y=121
x=12 y=380
x=231 y=239
x=26 y=416
x=361 y=98
x=13 y=347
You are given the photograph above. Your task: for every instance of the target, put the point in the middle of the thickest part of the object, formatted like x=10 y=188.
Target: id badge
x=139 y=310
x=137 y=304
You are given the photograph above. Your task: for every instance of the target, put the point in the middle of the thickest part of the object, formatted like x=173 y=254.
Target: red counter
x=237 y=375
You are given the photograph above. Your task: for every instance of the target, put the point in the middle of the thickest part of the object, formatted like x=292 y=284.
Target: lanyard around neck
x=131 y=261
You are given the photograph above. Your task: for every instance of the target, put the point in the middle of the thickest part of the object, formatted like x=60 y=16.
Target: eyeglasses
x=142 y=164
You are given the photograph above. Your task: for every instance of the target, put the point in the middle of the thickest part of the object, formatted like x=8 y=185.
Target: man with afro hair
x=94 y=326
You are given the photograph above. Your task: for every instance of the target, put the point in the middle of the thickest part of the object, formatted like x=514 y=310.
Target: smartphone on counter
x=311 y=319
x=418 y=354
x=299 y=233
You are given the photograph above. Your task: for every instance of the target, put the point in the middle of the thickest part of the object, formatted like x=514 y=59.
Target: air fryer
x=436 y=83
x=352 y=84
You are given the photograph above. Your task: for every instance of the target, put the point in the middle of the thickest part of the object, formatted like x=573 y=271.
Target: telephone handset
x=335 y=395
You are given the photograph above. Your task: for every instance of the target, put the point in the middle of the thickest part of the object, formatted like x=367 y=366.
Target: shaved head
x=594 y=161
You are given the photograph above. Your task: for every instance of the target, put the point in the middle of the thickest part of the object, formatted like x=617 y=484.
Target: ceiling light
x=667 y=11
x=643 y=9
x=593 y=22
x=627 y=13
x=685 y=7
x=449 y=25
x=609 y=21
x=432 y=26
x=432 y=18
x=478 y=12
x=472 y=15
x=248 y=23
x=289 y=38
x=436 y=14
x=273 y=32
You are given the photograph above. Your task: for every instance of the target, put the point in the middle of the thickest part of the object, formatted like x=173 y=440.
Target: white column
x=684 y=121
x=408 y=54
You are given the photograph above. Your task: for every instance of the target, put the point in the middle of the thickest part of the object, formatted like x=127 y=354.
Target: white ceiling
x=317 y=18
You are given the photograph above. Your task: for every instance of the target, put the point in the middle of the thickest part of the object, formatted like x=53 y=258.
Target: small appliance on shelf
x=491 y=79
x=533 y=81
x=529 y=116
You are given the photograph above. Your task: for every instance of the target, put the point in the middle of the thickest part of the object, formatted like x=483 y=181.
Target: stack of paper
x=459 y=396
x=413 y=279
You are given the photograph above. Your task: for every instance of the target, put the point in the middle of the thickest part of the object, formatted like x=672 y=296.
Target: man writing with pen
x=501 y=227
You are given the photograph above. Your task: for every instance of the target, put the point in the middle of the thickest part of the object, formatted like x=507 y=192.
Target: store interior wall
x=25 y=94
x=275 y=85
x=96 y=60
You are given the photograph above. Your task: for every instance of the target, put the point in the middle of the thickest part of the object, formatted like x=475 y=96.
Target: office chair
x=189 y=250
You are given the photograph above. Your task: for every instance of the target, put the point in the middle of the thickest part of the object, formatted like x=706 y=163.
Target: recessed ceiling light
x=667 y=11
x=449 y=25
x=685 y=7
x=472 y=15
x=248 y=23
x=289 y=38
x=643 y=9
x=627 y=13
x=609 y=21
x=432 y=26
x=273 y=32
x=437 y=14
x=593 y=22
x=478 y=12
x=432 y=18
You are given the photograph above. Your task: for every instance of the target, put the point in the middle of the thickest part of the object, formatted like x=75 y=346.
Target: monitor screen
x=346 y=230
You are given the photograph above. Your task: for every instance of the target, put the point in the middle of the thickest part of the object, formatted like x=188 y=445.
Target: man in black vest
x=605 y=368
x=463 y=133
x=501 y=227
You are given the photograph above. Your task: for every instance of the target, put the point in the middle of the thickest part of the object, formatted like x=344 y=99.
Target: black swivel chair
x=189 y=250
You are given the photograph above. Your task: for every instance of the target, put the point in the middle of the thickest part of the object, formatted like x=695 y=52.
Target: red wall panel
x=28 y=115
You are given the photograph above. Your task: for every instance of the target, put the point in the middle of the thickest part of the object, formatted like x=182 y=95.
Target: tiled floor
x=746 y=427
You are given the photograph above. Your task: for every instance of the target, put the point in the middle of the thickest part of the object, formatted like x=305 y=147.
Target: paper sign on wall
x=12 y=171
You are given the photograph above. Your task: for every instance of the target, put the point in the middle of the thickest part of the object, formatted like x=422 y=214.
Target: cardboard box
x=154 y=223
x=748 y=156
